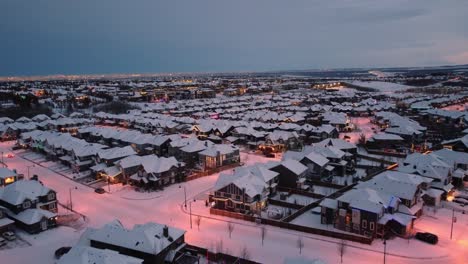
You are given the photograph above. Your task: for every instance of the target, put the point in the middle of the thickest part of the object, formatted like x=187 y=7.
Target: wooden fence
x=287 y=225
x=218 y=257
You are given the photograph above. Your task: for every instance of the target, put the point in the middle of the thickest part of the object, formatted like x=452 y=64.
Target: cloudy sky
x=150 y=36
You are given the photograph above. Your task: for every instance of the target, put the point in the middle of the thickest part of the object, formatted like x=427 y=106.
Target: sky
x=45 y=37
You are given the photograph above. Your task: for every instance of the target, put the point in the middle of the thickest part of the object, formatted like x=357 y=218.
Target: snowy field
x=387 y=87
x=167 y=207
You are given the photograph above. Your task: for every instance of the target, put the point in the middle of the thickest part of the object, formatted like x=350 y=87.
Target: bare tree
x=342 y=248
x=300 y=244
x=263 y=232
x=230 y=228
x=197 y=222
x=362 y=139
x=244 y=253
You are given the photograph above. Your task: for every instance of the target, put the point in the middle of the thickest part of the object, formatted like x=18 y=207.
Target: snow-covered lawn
x=166 y=207
x=296 y=198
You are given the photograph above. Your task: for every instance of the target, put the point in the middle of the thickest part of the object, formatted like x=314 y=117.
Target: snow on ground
x=296 y=198
x=323 y=190
x=166 y=207
x=382 y=86
x=363 y=126
x=456 y=107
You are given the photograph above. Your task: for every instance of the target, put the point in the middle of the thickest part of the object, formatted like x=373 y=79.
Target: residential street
x=166 y=206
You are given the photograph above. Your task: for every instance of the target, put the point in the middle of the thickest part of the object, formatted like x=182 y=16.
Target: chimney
x=166 y=231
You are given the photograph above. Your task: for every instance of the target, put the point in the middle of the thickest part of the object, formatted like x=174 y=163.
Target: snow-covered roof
x=147 y=238
x=90 y=255
x=295 y=166
x=5 y=173
x=19 y=191
x=337 y=143
x=117 y=152
x=399 y=184
x=253 y=179
x=219 y=149
x=367 y=199
x=32 y=215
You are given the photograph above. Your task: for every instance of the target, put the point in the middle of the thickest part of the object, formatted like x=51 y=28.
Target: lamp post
x=28 y=170
x=185 y=197
x=453 y=220
x=384 y=250
x=3 y=163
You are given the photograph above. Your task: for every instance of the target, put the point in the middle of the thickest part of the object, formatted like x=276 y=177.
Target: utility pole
x=384 y=250
x=71 y=202
x=453 y=220
x=190 y=214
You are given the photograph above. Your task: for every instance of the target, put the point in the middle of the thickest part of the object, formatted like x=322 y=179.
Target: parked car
x=427 y=237
x=3 y=242
x=99 y=190
x=10 y=155
x=464 y=196
x=16 y=147
x=61 y=251
x=8 y=235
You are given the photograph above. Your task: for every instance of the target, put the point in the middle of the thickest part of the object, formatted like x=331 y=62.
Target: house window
x=364 y=223
x=51 y=196
x=26 y=204
x=371 y=226
x=356 y=226
x=52 y=206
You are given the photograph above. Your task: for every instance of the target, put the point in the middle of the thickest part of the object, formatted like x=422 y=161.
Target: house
x=458 y=144
x=433 y=167
x=111 y=155
x=155 y=172
x=219 y=155
x=382 y=141
x=365 y=211
x=30 y=204
x=460 y=164
x=7 y=176
x=151 y=242
x=292 y=174
x=246 y=190
x=409 y=188
x=280 y=141
x=318 y=166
